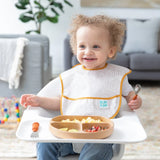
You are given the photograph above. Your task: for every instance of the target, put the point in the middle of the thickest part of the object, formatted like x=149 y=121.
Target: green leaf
x=65 y=1
x=51 y=2
x=39 y=5
x=54 y=11
x=41 y=19
x=30 y=31
x=24 y=2
x=53 y=19
x=25 y=18
x=40 y=16
x=30 y=12
x=19 y=6
x=59 y=5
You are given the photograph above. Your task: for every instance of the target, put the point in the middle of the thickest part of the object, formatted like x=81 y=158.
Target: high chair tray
x=127 y=129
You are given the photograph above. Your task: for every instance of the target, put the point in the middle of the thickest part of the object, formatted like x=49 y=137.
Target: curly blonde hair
x=115 y=28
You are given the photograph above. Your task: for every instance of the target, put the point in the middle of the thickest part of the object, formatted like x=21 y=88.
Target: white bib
x=92 y=92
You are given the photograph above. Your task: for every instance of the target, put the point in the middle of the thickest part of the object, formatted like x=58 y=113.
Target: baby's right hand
x=29 y=99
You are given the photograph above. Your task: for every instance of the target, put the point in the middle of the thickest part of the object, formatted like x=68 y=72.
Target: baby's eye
x=82 y=46
x=96 y=46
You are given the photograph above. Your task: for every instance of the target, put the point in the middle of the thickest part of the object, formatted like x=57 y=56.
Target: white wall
x=9 y=24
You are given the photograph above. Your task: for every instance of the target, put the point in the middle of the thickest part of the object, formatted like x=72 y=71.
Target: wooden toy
x=6 y=107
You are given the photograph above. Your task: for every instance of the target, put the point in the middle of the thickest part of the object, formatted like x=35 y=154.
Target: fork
x=35 y=129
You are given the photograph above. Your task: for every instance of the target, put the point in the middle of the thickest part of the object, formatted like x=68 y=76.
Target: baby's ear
x=112 y=52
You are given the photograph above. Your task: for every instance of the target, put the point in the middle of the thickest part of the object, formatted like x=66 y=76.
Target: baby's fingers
x=132 y=107
x=32 y=100
x=135 y=104
x=24 y=99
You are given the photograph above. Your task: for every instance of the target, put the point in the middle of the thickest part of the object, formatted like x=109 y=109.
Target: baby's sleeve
x=126 y=88
x=52 y=89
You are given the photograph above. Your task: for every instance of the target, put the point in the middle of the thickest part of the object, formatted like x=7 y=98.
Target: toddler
x=93 y=87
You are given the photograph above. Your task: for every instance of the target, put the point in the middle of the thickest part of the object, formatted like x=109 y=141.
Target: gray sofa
x=36 y=66
x=143 y=66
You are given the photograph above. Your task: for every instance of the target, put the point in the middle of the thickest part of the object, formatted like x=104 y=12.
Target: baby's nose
x=88 y=51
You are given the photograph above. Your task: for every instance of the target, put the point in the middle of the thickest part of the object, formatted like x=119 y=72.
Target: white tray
x=127 y=128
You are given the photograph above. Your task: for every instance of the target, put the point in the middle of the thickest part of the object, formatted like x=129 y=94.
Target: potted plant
x=35 y=10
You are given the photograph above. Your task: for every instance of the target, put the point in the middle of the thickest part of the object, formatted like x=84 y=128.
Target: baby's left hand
x=135 y=104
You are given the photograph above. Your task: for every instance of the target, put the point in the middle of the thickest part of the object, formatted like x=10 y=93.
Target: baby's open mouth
x=89 y=59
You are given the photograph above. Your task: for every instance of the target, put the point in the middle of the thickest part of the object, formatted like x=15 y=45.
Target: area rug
x=10 y=146
x=149 y=115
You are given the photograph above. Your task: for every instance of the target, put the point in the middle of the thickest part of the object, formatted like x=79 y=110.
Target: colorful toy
x=6 y=105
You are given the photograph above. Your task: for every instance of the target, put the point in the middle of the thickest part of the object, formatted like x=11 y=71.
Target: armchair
x=36 y=66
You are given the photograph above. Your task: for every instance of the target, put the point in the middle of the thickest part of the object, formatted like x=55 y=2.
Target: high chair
x=127 y=127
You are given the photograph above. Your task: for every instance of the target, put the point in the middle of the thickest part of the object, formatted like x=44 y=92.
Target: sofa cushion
x=142 y=36
x=141 y=61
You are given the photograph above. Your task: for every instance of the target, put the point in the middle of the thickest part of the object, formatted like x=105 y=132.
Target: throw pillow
x=142 y=36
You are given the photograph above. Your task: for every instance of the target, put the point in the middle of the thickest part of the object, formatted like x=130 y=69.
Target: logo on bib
x=103 y=104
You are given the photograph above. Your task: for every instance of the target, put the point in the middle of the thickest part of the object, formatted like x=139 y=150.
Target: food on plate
x=95 y=129
x=68 y=120
x=69 y=130
x=87 y=120
x=64 y=129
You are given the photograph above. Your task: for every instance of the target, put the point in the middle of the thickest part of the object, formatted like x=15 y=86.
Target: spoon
x=137 y=89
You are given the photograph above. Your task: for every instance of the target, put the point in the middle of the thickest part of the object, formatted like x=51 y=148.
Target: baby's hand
x=29 y=99
x=135 y=104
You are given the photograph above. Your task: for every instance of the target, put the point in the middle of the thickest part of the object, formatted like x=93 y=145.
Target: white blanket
x=11 y=55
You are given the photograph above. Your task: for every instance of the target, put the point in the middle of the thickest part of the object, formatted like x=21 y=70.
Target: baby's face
x=93 y=48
